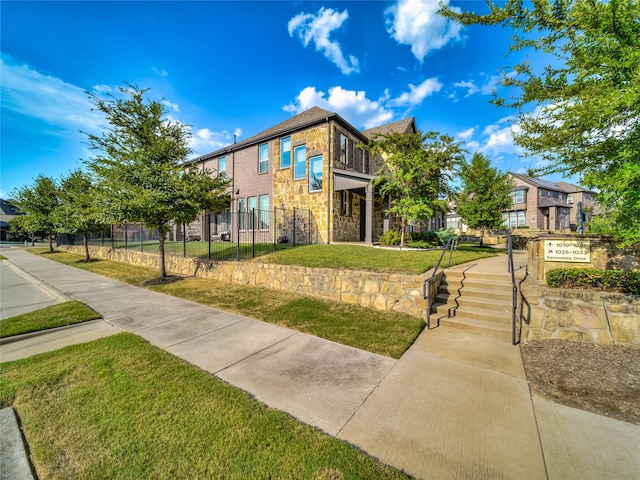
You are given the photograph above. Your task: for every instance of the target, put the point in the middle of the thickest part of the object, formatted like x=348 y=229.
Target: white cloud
x=488 y=86
x=52 y=100
x=499 y=138
x=352 y=105
x=102 y=89
x=173 y=106
x=237 y=132
x=159 y=72
x=466 y=134
x=318 y=29
x=416 y=95
x=416 y=23
x=205 y=141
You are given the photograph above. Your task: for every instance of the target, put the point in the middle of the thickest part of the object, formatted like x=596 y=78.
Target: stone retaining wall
x=579 y=315
x=387 y=292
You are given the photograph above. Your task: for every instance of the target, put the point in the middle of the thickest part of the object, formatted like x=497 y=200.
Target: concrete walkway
x=456 y=405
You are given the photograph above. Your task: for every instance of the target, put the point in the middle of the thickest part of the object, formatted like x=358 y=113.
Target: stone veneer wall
x=579 y=315
x=387 y=292
x=289 y=193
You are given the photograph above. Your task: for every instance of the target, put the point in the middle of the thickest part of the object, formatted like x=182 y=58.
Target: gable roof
x=570 y=188
x=538 y=182
x=308 y=118
x=401 y=126
x=7 y=208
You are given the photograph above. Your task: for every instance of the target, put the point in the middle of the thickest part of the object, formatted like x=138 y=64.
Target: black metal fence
x=222 y=236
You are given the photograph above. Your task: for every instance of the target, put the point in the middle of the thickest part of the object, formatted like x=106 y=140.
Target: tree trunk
x=163 y=271
x=482 y=236
x=403 y=231
x=50 y=243
x=85 y=240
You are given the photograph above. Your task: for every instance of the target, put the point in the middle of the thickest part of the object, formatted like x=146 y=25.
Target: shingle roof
x=307 y=118
x=8 y=208
x=570 y=188
x=538 y=182
x=401 y=126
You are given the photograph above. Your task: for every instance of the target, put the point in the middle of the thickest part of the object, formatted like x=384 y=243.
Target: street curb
x=26 y=336
x=49 y=290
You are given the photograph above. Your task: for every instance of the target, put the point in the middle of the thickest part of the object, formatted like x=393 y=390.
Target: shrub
x=607 y=280
x=427 y=238
x=445 y=234
x=390 y=238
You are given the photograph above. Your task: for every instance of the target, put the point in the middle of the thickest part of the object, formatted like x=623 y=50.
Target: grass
x=120 y=408
x=2 y=257
x=384 y=333
x=67 y=313
x=356 y=257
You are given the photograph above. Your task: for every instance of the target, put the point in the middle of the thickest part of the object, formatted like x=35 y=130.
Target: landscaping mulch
x=602 y=379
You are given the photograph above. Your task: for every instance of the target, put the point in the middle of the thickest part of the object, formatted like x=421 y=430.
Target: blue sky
x=226 y=68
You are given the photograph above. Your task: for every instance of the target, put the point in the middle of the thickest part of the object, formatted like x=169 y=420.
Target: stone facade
x=579 y=315
x=290 y=193
x=386 y=292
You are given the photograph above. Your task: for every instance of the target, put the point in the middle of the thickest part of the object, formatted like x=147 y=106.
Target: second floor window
x=300 y=159
x=315 y=174
x=285 y=152
x=344 y=149
x=517 y=196
x=222 y=166
x=263 y=158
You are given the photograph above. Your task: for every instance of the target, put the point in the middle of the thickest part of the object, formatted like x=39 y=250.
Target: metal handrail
x=451 y=245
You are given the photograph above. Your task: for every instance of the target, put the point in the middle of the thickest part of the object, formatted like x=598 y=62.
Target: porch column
x=368 y=225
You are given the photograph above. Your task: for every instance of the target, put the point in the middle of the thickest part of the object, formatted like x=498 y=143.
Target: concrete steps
x=475 y=301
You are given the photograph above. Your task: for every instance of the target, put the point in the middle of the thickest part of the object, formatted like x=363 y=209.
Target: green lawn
x=356 y=257
x=119 y=408
x=59 y=315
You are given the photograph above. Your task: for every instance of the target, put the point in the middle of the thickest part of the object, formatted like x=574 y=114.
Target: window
x=521 y=219
x=263 y=158
x=517 y=196
x=285 y=152
x=569 y=199
x=345 y=204
x=514 y=219
x=344 y=149
x=252 y=206
x=300 y=165
x=242 y=213
x=222 y=166
x=264 y=212
x=315 y=173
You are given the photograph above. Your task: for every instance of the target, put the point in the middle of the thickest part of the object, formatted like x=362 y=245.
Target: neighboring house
x=544 y=205
x=7 y=212
x=313 y=162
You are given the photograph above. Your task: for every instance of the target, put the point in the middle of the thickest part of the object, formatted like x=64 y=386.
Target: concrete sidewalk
x=456 y=405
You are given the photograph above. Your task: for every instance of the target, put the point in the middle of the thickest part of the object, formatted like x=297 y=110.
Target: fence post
x=275 y=229
x=209 y=232
x=184 y=240
x=141 y=248
x=126 y=238
x=238 y=236
x=112 y=241
x=309 y=227
x=294 y=227
x=253 y=233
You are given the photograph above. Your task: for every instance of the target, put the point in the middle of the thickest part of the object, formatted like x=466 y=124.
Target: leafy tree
x=415 y=172
x=485 y=194
x=587 y=99
x=79 y=211
x=37 y=203
x=140 y=167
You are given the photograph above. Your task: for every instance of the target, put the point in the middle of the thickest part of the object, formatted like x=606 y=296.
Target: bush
x=606 y=280
x=429 y=239
x=445 y=234
x=390 y=238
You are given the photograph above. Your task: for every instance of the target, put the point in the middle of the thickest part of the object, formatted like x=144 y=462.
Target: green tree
x=587 y=99
x=79 y=210
x=140 y=167
x=37 y=204
x=485 y=193
x=415 y=172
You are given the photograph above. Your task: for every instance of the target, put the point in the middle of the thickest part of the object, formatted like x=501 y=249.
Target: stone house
x=314 y=162
x=544 y=205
